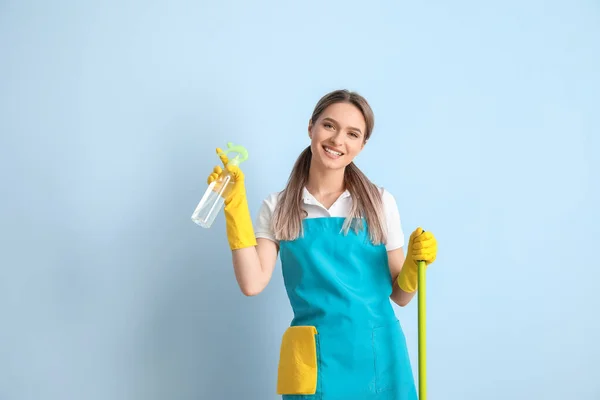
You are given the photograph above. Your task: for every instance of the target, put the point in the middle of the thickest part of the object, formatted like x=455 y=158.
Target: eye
x=327 y=125
x=354 y=134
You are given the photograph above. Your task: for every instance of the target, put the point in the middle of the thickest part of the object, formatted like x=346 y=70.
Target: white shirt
x=341 y=208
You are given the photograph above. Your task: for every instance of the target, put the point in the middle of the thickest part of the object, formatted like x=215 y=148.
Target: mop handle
x=421 y=313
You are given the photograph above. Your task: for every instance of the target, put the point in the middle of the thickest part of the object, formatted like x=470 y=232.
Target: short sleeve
x=395 y=235
x=263 y=224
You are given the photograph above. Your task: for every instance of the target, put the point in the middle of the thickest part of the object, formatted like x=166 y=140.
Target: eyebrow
x=334 y=121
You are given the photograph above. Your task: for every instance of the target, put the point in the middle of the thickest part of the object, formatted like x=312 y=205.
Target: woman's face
x=337 y=136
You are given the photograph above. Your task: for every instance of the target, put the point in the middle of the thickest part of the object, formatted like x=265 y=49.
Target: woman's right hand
x=240 y=232
x=238 y=188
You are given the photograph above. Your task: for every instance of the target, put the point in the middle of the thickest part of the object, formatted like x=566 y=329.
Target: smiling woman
x=339 y=128
x=344 y=341
x=332 y=137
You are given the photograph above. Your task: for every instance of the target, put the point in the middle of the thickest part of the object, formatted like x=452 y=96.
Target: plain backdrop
x=486 y=133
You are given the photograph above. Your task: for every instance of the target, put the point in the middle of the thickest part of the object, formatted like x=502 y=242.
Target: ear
x=310 y=128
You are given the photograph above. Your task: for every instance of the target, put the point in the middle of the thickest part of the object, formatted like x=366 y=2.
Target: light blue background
x=486 y=132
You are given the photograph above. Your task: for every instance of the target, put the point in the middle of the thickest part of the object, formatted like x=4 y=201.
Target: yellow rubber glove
x=240 y=232
x=422 y=246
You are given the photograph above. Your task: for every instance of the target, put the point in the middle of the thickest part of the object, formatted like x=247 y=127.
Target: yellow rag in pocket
x=297 y=372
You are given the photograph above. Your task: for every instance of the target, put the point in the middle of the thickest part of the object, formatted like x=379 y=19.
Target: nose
x=337 y=138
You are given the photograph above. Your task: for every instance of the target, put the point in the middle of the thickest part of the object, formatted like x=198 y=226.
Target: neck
x=323 y=182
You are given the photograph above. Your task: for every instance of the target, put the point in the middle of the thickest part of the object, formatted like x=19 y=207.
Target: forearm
x=399 y=296
x=249 y=272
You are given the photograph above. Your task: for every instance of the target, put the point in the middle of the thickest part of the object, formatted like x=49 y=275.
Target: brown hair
x=366 y=197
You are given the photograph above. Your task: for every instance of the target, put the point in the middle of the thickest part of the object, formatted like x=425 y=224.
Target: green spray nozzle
x=242 y=153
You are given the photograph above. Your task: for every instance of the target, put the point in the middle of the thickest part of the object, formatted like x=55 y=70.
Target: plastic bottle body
x=212 y=202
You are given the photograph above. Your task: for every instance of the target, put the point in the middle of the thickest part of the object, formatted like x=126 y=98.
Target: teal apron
x=340 y=285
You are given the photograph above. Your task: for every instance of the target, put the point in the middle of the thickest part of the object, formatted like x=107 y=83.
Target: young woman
x=340 y=241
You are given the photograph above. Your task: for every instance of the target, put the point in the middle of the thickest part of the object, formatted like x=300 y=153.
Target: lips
x=332 y=152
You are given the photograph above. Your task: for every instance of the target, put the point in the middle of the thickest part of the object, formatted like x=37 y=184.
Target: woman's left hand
x=422 y=246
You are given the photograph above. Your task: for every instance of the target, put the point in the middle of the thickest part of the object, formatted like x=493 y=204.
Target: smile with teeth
x=331 y=151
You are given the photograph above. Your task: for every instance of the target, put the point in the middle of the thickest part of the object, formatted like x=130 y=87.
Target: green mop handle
x=421 y=313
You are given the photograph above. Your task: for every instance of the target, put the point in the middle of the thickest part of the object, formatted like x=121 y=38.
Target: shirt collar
x=310 y=199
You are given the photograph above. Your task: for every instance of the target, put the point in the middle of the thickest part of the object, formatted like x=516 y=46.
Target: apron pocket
x=387 y=342
x=297 y=370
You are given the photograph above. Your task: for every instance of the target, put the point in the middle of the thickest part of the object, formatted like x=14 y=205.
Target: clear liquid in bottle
x=212 y=202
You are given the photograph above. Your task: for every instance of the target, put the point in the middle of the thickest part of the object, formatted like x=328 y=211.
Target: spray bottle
x=216 y=193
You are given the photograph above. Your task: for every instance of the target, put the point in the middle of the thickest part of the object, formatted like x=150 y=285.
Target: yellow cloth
x=422 y=246
x=240 y=232
x=297 y=371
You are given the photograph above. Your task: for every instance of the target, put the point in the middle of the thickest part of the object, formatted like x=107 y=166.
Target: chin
x=333 y=166
x=330 y=164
